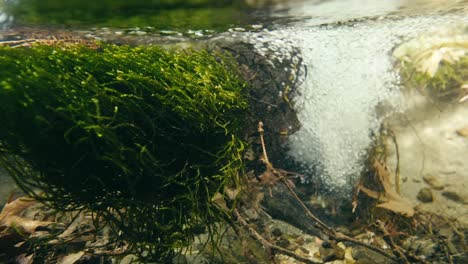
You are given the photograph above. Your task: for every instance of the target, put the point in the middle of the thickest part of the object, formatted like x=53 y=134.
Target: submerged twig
x=327 y=230
x=267 y=245
x=397 y=169
x=396 y=249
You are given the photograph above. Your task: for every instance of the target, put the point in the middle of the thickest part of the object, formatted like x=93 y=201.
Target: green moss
x=142 y=136
x=166 y=14
x=446 y=82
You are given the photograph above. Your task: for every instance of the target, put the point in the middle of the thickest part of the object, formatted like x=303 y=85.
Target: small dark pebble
x=282 y=242
x=305 y=251
x=276 y=232
x=425 y=195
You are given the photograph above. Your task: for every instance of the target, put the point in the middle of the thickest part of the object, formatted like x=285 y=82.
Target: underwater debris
x=389 y=199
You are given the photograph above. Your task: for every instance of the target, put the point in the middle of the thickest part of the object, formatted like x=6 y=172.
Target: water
x=350 y=79
x=346 y=46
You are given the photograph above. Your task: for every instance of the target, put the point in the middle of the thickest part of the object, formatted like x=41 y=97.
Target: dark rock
x=421 y=246
x=433 y=181
x=283 y=242
x=276 y=232
x=363 y=255
x=454 y=196
x=425 y=195
x=304 y=250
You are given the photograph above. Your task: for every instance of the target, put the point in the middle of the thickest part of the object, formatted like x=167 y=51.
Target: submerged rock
x=433 y=181
x=425 y=195
x=456 y=196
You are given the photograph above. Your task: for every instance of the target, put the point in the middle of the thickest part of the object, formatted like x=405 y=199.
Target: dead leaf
x=389 y=199
x=23 y=259
x=10 y=216
x=231 y=192
x=16 y=207
x=70 y=258
x=24 y=224
x=72 y=227
x=20 y=244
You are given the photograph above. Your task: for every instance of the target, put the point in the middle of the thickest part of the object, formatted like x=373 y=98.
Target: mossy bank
x=143 y=137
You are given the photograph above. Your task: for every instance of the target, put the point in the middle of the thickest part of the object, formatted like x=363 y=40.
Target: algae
x=160 y=15
x=436 y=63
x=143 y=137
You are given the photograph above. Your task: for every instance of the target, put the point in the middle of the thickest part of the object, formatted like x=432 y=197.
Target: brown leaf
x=24 y=224
x=23 y=259
x=72 y=227
x=70 y=258
x=231 y=193
x=16 y=207
x=10 y=216
x=398 y=207
x=389 y=199
x=218 y=199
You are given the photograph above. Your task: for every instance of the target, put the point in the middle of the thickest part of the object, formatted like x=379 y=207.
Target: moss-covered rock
x=143 y=137
x=436 y=63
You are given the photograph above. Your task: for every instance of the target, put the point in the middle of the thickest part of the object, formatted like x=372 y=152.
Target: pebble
x=366 y=256
x=425 y=195
x=463 y=132
x=421 y=246
x=276 y=232
x=282 y=242
x=433 y=181
x=454 y=196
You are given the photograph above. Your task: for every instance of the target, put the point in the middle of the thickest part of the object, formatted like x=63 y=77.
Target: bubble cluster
x=349 y=74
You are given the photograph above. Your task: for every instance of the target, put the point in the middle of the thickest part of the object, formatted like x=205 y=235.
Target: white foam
x=350 y=71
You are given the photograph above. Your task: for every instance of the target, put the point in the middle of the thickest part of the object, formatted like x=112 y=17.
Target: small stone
x=304 y=250
x=276 y=232
x=366 y=256
x=463 y=132
x=425 y=195
x=446 y=232
x=300 y=240
x=434 y=182
x=454 y=196
x=327 y=254
x=282 y=242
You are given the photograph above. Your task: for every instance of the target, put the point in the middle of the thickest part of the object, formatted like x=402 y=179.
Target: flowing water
x=346 y=46
x=351 y=83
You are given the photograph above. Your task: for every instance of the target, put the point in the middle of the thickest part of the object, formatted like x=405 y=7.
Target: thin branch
x=397 y=169
x=386 y=236
x=267 y=245
x=333 y=234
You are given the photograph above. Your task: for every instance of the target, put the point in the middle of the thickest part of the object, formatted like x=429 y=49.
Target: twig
x=386 y=236
x=267 y=245
x=333 y=234
x=397 y=169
